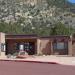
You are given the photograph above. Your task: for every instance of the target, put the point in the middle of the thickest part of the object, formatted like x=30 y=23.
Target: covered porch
x=17 y=43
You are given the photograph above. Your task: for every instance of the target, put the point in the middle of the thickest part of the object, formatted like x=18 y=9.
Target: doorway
x=28 y=47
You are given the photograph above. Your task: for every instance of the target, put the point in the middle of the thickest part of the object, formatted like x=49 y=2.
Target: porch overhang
x=20 y=36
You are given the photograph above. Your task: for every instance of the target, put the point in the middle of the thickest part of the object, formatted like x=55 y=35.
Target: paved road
x=27 y=68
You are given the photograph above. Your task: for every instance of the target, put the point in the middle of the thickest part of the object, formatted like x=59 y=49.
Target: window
x=3 y=47
x=21 y=47
x=60 y=46
x=26 y=45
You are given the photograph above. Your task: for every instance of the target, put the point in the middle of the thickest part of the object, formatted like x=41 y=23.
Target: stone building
x=34 y=45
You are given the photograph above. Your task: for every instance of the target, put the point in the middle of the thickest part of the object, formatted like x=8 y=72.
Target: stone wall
x=2 y=43
x=44 y=46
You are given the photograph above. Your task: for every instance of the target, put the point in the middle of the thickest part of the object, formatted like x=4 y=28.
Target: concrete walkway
x=65 y=60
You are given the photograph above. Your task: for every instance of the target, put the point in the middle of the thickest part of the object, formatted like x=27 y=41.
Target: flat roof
x=33 y=36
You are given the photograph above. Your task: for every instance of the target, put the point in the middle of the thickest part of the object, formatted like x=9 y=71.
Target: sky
x=72 y=1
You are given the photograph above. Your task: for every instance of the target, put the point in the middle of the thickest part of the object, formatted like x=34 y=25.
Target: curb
x=30 y=61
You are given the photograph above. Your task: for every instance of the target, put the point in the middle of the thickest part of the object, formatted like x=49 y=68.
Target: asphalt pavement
x=28 y=68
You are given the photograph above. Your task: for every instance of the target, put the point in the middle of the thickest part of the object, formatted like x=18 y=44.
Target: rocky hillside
x=42 y=17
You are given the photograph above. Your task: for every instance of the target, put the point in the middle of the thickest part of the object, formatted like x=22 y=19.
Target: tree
x=61 y=29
